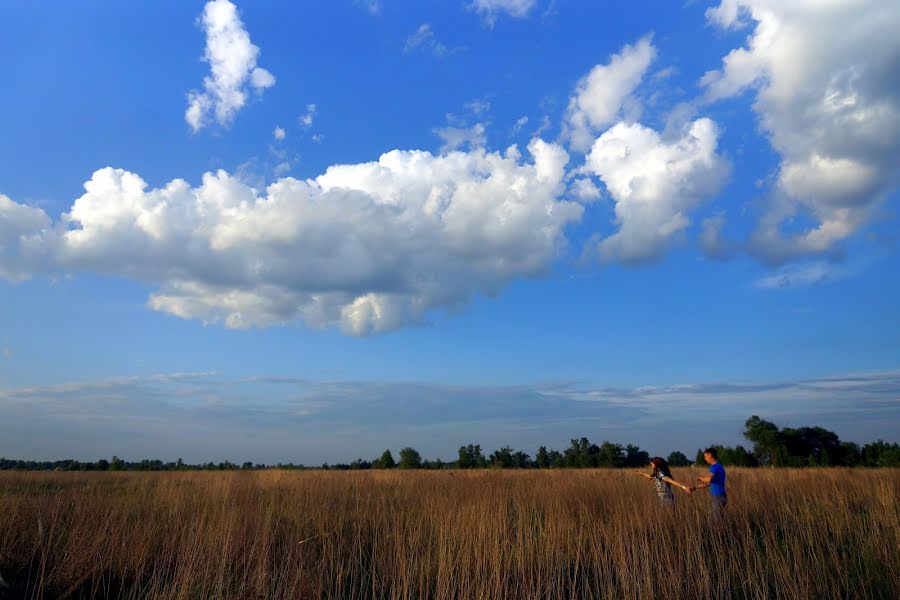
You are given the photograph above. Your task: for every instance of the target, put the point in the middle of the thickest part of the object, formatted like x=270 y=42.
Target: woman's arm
x=642 y=474
x=671 y=481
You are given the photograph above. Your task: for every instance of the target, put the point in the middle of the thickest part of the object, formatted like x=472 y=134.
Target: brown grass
x=831 y=533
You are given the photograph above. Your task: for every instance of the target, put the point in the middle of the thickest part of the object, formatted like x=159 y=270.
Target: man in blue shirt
x=715 y=481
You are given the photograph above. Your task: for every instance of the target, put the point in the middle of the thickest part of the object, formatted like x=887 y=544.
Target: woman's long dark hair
x=660 y=464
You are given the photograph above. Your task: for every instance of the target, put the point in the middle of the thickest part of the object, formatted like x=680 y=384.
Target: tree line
x=771 y=447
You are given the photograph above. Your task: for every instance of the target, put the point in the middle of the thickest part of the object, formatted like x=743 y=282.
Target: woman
x=661 y=477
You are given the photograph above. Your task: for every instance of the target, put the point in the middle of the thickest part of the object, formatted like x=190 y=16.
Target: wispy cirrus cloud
x=206 y=416
x=490 y=10
x=424 y=39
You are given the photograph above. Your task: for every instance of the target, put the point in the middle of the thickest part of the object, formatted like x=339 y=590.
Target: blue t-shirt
x=717 y=483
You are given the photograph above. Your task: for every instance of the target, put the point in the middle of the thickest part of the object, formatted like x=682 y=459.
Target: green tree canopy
x=410 y=459
x=677 y=459
x=385 y=462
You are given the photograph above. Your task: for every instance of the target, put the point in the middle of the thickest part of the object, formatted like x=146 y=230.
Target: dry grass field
x=812 y=533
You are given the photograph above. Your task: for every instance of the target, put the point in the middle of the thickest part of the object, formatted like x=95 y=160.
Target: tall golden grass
x=813 y=533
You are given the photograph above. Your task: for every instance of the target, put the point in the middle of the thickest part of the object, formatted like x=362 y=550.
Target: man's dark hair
x=712 y=452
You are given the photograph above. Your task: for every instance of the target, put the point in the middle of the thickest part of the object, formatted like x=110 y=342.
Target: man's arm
x=704 y=480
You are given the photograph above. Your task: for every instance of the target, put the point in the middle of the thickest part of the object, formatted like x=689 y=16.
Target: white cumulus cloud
x=367 y=247
x=655 y=182
x=601 y=95
x=233 y=70
x=22 y=238
x=826 y=79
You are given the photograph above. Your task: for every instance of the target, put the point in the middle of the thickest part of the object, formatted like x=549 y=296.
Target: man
x=715 y=481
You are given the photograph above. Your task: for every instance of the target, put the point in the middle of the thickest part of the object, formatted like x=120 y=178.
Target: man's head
x=711 y=456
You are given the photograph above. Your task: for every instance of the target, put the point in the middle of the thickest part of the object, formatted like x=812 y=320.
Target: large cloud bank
x=233 y=71
x=375 y=246
x=826 y=78
x=370 y=247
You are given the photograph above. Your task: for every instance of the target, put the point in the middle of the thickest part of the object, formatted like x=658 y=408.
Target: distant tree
x=698 y=459
x=890 y=457
x=102 y=465
x=521 y=460
x=542 y=458
x=851 y=454
x=471 y=457
x=811 y=446
x=677 y=459
x=610 y=455
x=502 y=458
x=736 y=457
x=557 y=460
x=581 y=453
x=360 y=464
x=385 y=462
x=635 y=457
x=766 y=438
x=410 y=459
x=881 y=454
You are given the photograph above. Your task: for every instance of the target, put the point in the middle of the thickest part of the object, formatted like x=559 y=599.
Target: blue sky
x=312 y=232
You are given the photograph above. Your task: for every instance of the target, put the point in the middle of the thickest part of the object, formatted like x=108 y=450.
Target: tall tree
x=635 y=457
x=502 y=458
x=410 y=459
x=610 y=455
x=698 y=458
x=386 y=461
x=677 y=459
x=471 y=457
x=766 y=439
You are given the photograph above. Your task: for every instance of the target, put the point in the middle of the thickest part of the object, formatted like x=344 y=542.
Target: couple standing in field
x=662 y=478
